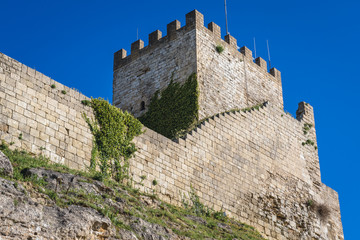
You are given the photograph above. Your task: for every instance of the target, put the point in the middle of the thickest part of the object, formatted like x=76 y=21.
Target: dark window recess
x=142 y=106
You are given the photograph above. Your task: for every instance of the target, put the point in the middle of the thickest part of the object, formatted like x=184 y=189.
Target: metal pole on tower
x=255 y=47
x=267 y=43
x=226 y=21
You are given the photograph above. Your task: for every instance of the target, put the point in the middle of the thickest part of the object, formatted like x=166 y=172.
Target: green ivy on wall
x=113 y=132
x=174 y=109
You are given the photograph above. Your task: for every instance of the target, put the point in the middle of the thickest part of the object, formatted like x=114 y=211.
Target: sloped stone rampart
x=252 y=165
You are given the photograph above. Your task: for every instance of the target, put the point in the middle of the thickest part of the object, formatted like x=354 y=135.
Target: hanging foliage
x=113 y=132
x=174 y=109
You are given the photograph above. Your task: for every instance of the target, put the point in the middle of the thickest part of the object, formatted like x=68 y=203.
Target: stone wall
x=41 y=119
x=251 y=165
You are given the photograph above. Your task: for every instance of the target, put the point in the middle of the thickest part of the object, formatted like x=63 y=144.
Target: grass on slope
x=194 y=220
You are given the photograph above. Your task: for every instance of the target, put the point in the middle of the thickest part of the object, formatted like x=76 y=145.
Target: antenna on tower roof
x=137 y=33
x=267 y=43
x=255 y=47
x=226 y=21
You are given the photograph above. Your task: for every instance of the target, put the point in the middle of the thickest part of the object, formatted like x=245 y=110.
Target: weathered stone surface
x=63 y=181
x=5 y=165
x=124 y=234
x=31 y=215
x=151 y=231
x=23 y=218
x=197 y=219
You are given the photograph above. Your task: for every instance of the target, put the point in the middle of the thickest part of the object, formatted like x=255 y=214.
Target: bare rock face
x=30 y=215
x=151 y=231
x=57 y=181
x=22 y=218
x=5 y=165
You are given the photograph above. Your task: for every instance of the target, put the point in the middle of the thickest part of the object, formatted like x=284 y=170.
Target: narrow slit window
x=142 y=106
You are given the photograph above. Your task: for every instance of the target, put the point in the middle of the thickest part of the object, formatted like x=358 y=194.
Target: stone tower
x=230 y=79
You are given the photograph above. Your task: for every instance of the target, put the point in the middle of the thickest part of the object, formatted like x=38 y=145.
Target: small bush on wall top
x=174 y=109
x=219 y=48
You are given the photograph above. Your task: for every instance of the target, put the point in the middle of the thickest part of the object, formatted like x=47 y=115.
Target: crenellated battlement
x=194 y=19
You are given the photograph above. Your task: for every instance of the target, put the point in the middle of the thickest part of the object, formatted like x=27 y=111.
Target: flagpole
x=267 y=43
x=226 y=21
x=255 y=47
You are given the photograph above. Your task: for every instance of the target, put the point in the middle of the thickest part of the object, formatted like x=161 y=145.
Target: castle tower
x=227 y=79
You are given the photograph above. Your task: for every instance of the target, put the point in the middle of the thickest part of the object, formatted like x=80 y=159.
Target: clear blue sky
x=315 y=44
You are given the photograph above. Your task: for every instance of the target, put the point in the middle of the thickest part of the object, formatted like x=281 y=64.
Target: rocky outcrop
x=23 y=218
x=5 y=165
x=60 y=182
x=26 y=214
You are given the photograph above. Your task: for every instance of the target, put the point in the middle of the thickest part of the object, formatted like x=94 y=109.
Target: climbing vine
x=113 y=132
x=173 y=109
